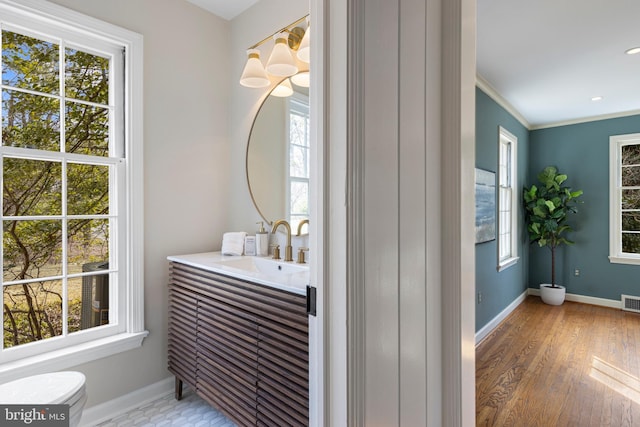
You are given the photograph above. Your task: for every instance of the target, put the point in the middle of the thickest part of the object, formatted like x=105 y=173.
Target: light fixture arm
x=295 y=34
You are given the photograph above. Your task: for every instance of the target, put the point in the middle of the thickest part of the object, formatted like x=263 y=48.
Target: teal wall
x=582 y=152
x=498 y=289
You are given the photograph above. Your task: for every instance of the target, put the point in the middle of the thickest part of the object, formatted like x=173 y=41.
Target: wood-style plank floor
x=569 y=365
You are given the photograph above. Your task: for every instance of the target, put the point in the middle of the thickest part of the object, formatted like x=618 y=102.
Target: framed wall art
x=485 y=205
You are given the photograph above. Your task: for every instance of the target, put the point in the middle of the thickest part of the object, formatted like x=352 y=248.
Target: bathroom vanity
x=238 y=336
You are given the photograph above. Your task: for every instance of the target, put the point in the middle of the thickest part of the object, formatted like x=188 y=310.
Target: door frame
x=335 y=339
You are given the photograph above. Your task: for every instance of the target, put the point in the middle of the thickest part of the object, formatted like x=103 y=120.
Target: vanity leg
x=178 y=392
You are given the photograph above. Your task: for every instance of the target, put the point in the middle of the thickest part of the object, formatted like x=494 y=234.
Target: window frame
x=511 y=168
x=303 y=100
x=129 y=333
x=616 y=256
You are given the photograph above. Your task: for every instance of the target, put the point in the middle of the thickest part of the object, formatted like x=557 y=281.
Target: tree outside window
x=57 y=183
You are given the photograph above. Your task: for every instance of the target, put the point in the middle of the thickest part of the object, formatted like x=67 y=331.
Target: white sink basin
x=287 y=276
x=264 y=265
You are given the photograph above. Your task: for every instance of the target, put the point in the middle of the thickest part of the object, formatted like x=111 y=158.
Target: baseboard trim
x=603 y=302
x=120 y=405
x=486 y=330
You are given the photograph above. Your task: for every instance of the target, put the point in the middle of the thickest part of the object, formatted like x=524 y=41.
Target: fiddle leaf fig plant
x=547 y=207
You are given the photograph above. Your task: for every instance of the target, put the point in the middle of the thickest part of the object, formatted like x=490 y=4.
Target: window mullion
x=63 y=127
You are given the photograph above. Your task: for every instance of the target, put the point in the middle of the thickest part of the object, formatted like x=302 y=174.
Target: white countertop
x=294 y=282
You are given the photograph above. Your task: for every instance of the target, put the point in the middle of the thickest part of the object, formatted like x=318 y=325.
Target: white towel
x=233 y=243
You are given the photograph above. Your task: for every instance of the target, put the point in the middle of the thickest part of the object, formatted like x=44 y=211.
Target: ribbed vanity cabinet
x=243 y=347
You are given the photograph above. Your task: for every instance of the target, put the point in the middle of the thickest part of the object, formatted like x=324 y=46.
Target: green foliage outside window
x=630 y=179
x=37 y=222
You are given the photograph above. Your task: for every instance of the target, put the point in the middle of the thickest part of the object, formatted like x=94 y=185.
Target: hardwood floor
x=569 y=365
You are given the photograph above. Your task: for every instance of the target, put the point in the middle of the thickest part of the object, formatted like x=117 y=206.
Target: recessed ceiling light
x=596 y=98
x=632 y=51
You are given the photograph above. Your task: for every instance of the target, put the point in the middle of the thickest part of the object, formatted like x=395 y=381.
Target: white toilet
x=54 y=388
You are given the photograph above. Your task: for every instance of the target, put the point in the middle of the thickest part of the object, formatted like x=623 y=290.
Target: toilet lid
x=55 y=387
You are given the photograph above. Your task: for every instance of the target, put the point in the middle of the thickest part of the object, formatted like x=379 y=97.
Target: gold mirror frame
x=256 y=204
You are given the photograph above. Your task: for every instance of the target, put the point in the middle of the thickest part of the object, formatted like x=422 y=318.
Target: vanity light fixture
x=283 y=90
x=282 y=61
x=302 y=79
x=304 y=50
x=632 y=51
x=254 y=74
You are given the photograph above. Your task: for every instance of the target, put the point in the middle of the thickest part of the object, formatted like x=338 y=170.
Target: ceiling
x=547 y=58
x=227 y=9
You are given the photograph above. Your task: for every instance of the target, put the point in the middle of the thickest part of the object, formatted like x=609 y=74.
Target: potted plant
x=547 y=208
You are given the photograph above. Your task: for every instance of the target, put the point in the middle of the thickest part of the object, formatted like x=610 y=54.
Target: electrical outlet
x=479 y=297
x=576 y=272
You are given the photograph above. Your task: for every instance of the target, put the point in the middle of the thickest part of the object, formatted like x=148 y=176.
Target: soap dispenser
x=262 y=240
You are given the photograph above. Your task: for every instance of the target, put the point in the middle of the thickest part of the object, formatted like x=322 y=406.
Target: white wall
x=187 y=171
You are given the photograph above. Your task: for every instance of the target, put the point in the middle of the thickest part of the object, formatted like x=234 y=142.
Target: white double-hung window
x=70 y=157
x=298 y=125
x=624 y=199
x=507 y=199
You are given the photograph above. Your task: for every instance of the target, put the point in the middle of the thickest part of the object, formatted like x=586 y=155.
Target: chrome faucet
x=288 y=251
x=303 y=222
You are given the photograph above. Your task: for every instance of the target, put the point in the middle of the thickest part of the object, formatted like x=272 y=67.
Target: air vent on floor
x=630 y=303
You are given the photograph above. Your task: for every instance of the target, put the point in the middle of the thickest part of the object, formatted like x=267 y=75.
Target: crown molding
x=493 y=94
x=482 y=84
x=587 y=119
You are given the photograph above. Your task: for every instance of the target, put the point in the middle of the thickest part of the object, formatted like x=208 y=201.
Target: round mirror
x=277 y=160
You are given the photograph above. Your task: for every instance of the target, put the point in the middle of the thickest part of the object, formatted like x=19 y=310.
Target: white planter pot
x=552 y=296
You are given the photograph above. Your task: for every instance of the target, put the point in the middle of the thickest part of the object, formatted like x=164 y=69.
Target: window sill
x=624 y=260
x=507 y=263
x=70 y=356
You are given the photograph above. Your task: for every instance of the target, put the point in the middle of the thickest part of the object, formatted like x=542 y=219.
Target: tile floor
x=191 y=411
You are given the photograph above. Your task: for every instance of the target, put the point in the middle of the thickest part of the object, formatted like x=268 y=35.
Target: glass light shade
x=283 y=90
x=281 y=62
x=302 y=79
x=254 y=74
x=304 y=50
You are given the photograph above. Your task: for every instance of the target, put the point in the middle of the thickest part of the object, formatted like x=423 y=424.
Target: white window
x=624 y=196
x=70 y=159
x=299 y=149
x=507 y=200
